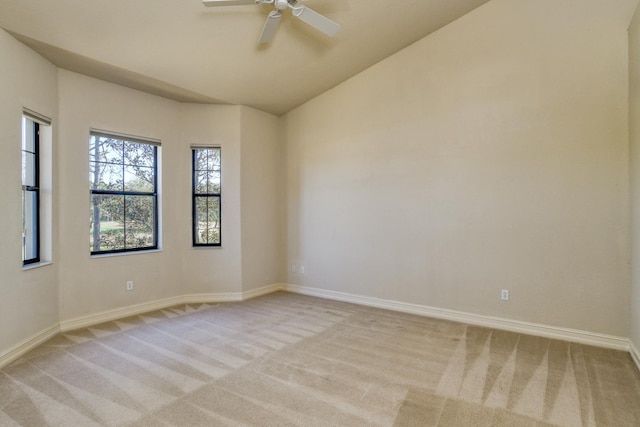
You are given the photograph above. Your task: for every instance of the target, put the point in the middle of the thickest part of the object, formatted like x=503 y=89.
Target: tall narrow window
x=124 y=197
x=206 y=196
x=30 y=191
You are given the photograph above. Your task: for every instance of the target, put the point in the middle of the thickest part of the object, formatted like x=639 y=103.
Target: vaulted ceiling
x=181 y=50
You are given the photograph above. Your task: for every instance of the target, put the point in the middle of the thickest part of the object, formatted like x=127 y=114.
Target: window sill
x=36 y=265
x=150 y=251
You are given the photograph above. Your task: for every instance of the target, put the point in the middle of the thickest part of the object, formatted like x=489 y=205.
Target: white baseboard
x=232 y=296
x=554 y=332
x=20 y=349
x=118 y=313
x=635 y=354
x=133 y=310
x=582 y=337
x=254 y=293
x=29 y=344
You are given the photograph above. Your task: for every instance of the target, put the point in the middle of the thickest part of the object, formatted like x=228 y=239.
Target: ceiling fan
x=309 y=16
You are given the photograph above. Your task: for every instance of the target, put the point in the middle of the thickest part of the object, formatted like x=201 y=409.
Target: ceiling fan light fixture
x=281 y=4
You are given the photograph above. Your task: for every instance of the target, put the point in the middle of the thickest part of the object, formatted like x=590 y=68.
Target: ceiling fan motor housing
x=281 y=4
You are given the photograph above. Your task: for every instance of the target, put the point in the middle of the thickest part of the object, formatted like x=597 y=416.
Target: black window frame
x=154 y=194
x=35 y=189
x=204 y=195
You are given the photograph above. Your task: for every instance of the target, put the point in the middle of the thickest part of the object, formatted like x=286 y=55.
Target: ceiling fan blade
x=270 y=27
x=317 y=21
x=210 y=3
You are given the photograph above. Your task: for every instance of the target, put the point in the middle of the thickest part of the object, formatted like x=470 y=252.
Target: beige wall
x=207 y=270
x=94 y=284
x=490 y=155
x=248 y=140
x=634 y=137
x=29 y=298
x=80 y=285
x=262 y=202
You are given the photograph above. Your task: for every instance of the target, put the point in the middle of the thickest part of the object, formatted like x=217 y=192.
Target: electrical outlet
x=130 y=285
x=505 y=295
x=293 y=268
x=302 y=269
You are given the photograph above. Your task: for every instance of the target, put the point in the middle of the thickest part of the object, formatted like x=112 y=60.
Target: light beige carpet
x=292 y=360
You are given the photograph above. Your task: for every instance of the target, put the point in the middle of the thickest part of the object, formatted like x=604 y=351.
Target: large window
x=206 y=194
x=123 y=177
x=30 y=191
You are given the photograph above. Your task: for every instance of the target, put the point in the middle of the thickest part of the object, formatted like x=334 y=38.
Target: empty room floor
x=292 y=360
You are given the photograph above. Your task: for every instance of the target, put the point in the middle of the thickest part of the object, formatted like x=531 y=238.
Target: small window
x=30 y=191
x=206 y=200
x=123 y=178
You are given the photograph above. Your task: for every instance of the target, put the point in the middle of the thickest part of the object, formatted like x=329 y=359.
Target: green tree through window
x=206 y=196
x=124 y=198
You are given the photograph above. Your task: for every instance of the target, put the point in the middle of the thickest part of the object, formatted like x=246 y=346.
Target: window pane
x=106 y=176
x=139 y=154
x=29 y=169
x=107 y=222
x=200 y=160
x=28 y=135
x=139 y=179
x=213 y=159
x=207 y=220
x=140 y=221
x=207 y=170
x=213 y=182
x=108 y=150
x=207 y=182
x=201 y=182
x=30 y=226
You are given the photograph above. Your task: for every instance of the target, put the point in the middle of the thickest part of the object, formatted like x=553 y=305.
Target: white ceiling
x=181 y=50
